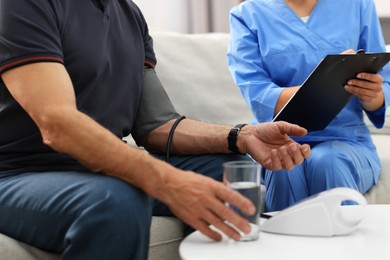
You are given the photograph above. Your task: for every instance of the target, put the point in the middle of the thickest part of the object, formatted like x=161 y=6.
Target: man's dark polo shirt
x=102 y=46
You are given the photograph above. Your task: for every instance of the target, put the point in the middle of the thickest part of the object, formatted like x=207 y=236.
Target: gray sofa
x=193 y=70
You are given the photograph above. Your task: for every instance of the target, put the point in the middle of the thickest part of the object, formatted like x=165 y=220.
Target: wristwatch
x=232 y=138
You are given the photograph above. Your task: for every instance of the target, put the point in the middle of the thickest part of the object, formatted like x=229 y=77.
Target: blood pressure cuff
x=155 y=107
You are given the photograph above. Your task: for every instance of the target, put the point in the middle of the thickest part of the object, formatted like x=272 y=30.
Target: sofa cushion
x=11 y=249
x=193 y=69
x=166 y=235
x=385 y=130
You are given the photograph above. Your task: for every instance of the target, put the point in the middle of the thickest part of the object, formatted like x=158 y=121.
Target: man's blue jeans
x=84 y=215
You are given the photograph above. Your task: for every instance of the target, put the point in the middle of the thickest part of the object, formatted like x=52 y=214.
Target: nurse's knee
x=324 y=156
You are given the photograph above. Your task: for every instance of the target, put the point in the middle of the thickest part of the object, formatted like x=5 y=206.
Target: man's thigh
x=39 y=207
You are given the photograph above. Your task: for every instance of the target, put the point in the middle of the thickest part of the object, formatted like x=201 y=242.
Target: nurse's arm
x=285 y=96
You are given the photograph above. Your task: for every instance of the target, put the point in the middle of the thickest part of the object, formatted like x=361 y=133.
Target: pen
x=266 y=216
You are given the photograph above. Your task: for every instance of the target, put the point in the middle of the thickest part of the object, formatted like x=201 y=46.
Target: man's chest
x=95 y=40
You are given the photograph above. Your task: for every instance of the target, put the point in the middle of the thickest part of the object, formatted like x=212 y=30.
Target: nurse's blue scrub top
x=271 y=48
x=103 y=48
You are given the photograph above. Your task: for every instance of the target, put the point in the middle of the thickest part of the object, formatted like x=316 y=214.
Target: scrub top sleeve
x=377 y=118
x=371 y=39
x=248 y=70
x=28 y=33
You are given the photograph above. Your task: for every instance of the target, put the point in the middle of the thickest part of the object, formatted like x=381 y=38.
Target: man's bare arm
x=45 y=91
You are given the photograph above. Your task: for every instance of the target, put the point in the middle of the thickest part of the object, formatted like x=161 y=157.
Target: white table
x=370 y=241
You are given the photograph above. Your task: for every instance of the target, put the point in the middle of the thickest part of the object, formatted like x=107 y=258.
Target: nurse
x=274 y=46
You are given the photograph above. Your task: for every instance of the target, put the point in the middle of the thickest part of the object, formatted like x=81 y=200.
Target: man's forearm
x=190 y=137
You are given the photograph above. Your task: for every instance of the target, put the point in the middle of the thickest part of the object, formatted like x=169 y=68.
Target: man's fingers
x=201 y=216
x=222 y=225
x=212 y=209
x=275 y=163
x=235 y=199
x=285 y=157
x=296 y=154
x=292 y=129
x=205 y=229
x=305 y=150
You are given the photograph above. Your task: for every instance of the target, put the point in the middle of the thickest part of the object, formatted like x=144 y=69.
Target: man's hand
x=200 y=202
x=270 y=144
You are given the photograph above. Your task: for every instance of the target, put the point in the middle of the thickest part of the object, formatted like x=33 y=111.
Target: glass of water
x=244 y=177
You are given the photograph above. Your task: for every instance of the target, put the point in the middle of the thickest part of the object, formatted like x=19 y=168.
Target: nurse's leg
x=284 y=188
x=79 y=214
x=341 y=164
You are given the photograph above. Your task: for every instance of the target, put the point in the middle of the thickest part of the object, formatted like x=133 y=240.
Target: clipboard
x=322 y=96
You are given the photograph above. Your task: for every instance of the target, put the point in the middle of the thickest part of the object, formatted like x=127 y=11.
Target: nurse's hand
x=368 y=88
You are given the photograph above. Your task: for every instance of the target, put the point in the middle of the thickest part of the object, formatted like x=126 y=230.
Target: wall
x=385 y=22
x=383 y=7
x=188 y=16
x=165 y=15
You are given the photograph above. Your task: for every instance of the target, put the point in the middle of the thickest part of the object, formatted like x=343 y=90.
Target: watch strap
x=232 y=138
